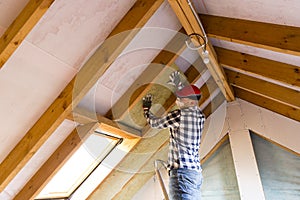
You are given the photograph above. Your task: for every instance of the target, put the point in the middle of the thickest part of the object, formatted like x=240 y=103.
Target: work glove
x=175 y=80
x=147 y=102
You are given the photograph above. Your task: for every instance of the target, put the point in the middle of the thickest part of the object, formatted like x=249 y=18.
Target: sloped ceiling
x=60 y=54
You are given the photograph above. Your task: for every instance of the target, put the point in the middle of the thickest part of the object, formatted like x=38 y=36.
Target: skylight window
x=79 y=167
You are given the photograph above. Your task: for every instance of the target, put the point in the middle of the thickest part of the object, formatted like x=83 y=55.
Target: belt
x=173 y=172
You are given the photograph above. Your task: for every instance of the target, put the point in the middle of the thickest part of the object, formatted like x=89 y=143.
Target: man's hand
x=147 y=102
x=175 y=80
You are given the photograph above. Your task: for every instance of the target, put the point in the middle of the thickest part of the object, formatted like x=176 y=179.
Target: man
x=185 y=125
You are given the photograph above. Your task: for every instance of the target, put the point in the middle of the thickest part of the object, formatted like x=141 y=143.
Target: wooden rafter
x=89 y=74
x=191 y=25
x=46 y=172
x=284 y=39
x=20 y=28
x=268 y=103
x=83 y=116
x=281 y=72
x=269 y=90
x=245 y=72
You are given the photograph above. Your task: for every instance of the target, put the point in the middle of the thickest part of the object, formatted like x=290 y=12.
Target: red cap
x=190 y=91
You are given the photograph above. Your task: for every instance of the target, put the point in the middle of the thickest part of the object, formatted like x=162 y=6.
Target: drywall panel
x=72 y=29
x=30 y=80
x=9 y=10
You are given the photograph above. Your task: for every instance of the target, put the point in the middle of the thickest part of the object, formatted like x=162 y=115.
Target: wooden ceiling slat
x=191 y=26
x=46 y=172
x=285 y=73
x=269 y=104
x=89 y=74
x=270 y=90
x=21 y=26
x=280 y=38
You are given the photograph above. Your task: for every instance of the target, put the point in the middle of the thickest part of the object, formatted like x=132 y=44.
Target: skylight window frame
x=70 y=193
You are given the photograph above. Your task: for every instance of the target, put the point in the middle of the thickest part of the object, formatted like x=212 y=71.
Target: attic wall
x=267 y=124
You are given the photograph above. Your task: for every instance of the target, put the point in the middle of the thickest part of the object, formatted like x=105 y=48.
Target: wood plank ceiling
x=267 y=83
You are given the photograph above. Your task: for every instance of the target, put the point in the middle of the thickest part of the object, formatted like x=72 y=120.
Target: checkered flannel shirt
x=185 y=127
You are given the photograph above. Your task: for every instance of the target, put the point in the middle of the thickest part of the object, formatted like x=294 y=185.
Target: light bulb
x=205 y=56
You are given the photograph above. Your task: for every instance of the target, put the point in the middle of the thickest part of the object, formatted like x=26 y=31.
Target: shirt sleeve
x=171 y=120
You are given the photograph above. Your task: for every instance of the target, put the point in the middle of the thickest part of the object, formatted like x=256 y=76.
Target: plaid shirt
x=185 y=127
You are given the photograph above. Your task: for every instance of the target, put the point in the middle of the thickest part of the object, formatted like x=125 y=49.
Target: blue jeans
x=185 y=184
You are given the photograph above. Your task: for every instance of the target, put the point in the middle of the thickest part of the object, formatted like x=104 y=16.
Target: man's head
x=188 y=96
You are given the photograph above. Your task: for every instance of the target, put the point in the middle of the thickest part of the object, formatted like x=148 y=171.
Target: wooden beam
x=21 y=26
x=280 y=38
x=269 y=104
x=285 y=73
x=269 y=90
x=190 y=23
x=89 y=74
x=83 y=116
x=46 y=172
x=150 y=75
